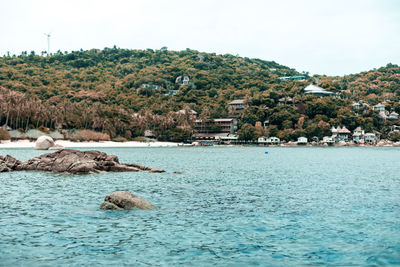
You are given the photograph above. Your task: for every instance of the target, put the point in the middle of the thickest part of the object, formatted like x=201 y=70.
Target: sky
x=332 y=37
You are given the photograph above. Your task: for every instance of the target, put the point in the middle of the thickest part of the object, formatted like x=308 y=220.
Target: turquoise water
x=231 y=206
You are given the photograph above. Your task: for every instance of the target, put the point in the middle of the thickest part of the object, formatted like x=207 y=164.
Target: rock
x=156 y=170
x=44 y=142
x=56 y=147
x=125 y=200
x=109 y=206
x=72 y=161
x=8 y=163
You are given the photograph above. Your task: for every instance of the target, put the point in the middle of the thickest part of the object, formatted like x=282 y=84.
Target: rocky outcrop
x=44 y=142
x=72 y=161
x=124 y=200
x=8 y=163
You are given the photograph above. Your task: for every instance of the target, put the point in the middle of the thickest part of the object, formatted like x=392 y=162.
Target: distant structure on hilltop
x=317 y=91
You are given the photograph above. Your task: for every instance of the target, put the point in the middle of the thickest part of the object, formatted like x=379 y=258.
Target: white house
x=358 y=134
x=302 y=140
x=270 y=140
x=379 y=107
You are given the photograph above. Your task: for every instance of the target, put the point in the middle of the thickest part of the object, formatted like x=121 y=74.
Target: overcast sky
x=333 y=37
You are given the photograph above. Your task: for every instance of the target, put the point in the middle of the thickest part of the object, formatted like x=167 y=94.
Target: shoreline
x=137 y=144
x=100 y=144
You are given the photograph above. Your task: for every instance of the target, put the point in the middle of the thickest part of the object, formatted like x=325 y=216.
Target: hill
x=125 y=92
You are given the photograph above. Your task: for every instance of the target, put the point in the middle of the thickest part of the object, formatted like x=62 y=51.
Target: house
x=185 y=80
x=317 y=91
x=356 y=105
x=293 y=78
x=182 y=79
x=270 y=140
x=370 y=138
x=236 y=107
x=379 y=107
x=328 y=140
x=192 y=113
x=302 y=140
x=395 y=128
x=358 y=134
x=394 y=116
x=149 y=134
x=273 y=140
x=343 y=133
x=382 y=116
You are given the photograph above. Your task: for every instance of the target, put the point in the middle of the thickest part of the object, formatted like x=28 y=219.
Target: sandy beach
x=69 y=144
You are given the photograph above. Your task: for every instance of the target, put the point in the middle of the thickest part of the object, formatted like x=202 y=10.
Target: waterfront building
x=343 y=134
x=328 y=140
x=370 y=138
x=358 y=134
x=224 y=125
x=302 y=140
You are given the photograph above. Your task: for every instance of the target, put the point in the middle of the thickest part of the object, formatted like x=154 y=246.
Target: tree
x=246 y=132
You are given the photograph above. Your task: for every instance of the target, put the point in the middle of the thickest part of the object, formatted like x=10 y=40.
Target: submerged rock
x=71 y=161
x=124 y=200
x=44 y=142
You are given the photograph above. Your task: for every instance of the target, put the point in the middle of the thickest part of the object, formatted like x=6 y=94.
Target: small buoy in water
x=266 y=152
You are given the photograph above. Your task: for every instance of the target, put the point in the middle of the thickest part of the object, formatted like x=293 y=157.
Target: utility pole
x=48 y=43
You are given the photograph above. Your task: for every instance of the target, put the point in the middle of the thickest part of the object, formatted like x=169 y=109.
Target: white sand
x=69 y=144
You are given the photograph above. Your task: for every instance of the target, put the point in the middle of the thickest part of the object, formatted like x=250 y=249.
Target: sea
x=216 y=206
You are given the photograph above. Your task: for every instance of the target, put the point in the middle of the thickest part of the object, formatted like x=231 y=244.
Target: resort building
x=227 y=126
x=236 y=107
x=317 y=91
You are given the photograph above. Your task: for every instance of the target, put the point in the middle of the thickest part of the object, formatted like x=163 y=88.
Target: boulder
x=124 y=200
x=44 y=142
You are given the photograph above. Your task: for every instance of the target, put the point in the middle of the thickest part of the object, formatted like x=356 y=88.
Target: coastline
x=132 y=144
x=100 y=144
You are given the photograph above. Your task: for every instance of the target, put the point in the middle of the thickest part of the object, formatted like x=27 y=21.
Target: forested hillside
x=124 y=92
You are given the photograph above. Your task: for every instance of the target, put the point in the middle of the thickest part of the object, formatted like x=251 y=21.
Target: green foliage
x=247 y=132
x=122 y=92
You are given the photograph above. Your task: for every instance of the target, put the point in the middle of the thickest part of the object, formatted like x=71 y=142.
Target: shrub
x=4 y=135
x=89 y=135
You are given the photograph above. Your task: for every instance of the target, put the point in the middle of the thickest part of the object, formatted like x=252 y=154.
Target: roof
x=236 y=102
x=313 y=89
x=223 y=120
x=343 y=130
x=379 y=105
x=183 y=111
